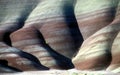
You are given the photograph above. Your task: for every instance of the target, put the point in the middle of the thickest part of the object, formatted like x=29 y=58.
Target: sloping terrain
x=37 y=35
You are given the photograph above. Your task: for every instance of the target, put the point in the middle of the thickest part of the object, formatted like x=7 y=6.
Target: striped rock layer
x=46 y=34
x=100 y=27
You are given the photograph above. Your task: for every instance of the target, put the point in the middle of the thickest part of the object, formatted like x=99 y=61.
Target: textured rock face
x=100 y=27
x=46 y=34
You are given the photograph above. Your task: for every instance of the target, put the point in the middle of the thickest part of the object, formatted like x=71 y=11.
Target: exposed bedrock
x=48 y=34
x=99 y=27
x=31 y=41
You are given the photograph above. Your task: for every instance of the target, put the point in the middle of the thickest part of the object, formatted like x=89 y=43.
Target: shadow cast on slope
x=62 y=61
x=71 y=21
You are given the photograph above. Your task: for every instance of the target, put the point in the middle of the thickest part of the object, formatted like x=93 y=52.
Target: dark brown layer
x=24 y=34
x=90 y=26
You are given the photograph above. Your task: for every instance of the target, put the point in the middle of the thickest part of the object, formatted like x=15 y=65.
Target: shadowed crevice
x=20 y=21
x=6 y=38
x=62 y=61
x=4 y=67
x=34 y=60
x=71 y=22
x=31 y=58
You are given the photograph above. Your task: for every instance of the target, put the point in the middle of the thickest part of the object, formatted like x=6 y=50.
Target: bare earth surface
x=62 y=72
